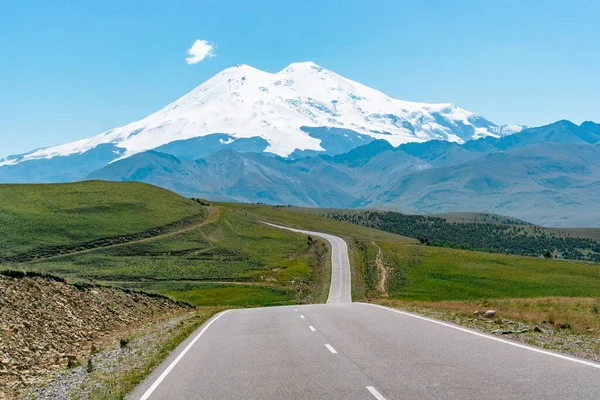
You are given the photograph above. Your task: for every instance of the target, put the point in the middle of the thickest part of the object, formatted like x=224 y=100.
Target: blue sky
x=72 y=69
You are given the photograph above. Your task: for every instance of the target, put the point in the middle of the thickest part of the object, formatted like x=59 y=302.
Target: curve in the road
x=340 y=290
x=358 y=351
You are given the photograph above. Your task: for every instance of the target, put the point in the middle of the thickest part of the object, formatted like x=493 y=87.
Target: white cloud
x=199 y=51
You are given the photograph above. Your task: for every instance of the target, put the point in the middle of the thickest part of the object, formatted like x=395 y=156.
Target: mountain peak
x=240 y=69
x=303 y=64
x=244 y=102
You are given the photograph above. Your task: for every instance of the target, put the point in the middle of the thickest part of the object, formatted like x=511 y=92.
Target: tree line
x=494 y=238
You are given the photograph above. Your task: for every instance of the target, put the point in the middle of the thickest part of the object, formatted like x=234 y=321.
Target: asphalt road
x=340 y=288
x=344 y=350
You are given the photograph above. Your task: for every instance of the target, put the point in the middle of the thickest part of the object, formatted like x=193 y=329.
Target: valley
x=545 y=176
x=299 y=200
x=214 y=255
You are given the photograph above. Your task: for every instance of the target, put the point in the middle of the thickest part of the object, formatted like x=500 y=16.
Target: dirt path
x=212 y=217
x=191 y=281
x=382 y=271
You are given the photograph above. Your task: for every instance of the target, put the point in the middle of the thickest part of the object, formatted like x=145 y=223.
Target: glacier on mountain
x=244 y=102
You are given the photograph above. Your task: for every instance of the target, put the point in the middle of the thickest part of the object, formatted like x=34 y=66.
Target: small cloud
x=199 y=51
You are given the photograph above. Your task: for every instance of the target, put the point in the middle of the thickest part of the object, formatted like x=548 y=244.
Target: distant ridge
x=548 y=176
x=302 y=110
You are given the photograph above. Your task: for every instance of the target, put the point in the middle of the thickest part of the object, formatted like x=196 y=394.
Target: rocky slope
x=47 y=325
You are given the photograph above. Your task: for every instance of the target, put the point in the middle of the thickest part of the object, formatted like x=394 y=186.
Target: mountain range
x=548 y=175
x=301 y=110
x=309 y=137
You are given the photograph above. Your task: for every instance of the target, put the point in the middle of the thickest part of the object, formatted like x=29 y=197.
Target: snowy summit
x=245 y=102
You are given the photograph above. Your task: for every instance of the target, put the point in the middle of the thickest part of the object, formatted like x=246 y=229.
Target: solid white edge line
x=486 y=336
x=162 y=376
x=331 y=349
x=330 y=238
x=375 y=393
x=312 y=328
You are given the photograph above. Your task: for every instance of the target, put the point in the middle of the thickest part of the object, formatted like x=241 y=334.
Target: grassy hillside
x=434 y=273
x=139 y=236
x=478 y=217
x=34 y=217
x=400 y=271
x=421 y=271
x=226 y=256
x=525 y=240
x=229 y=248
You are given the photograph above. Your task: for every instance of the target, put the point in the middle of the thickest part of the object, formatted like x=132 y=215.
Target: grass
x=232 y=259
x=218 y=294
x=232 y=248
x=434 y=274
x=38 y=216
x=135 y=367
x=524 y=288
x=579 y=313
x=310 y=219
x=217 y=250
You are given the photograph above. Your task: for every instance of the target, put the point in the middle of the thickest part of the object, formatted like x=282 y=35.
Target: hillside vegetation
x=131 y=236
x=426 y=272
x=227 y=256
x=51 y=217
x=138 y=236
x=518 y=239
x=224 y=256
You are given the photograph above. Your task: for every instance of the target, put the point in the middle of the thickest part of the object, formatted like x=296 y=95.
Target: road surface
x=340 y=288
x=343 y=350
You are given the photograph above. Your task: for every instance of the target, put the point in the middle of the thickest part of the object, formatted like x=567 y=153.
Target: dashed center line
x=331 y=349
x=302 y=316
x=295 y=309
x=312 y=328
x=375 y=393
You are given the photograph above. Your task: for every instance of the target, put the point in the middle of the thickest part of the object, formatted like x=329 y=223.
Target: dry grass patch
x=582 y=314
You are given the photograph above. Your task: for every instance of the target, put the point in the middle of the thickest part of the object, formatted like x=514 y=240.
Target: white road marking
x=302 y=316
x=375 y=393
x=483 y=335
x=295 y=309
x=341 y=280
x=331 y=349
x=312 y=328
x=162 y=376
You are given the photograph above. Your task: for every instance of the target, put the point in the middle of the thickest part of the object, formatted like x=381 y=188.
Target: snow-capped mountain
x=282 y=110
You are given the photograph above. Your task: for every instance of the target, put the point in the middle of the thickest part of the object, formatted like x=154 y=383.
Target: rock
x=489 y=314
x=562 y=325
x=507 y=332
x=537 y=329
x=477 y=313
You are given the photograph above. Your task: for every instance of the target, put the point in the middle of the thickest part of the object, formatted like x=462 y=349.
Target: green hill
x=138 y=236
x=34 y=217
